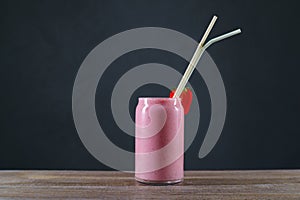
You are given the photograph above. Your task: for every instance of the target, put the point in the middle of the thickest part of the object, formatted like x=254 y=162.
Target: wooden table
x=271 y=184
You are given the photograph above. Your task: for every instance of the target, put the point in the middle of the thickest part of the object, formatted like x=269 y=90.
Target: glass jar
x=159 y=141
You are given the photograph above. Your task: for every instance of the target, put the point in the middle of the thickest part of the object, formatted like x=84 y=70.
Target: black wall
x=43 y=43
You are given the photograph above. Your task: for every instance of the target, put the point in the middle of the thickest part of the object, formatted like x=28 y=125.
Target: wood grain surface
x=269 y=184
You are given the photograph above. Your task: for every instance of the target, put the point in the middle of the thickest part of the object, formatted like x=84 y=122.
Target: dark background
x=43 y=43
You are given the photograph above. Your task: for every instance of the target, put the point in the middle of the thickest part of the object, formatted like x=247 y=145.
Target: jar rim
x=159 y=98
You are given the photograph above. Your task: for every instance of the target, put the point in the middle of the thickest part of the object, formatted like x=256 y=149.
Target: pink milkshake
x=159 y=134
x=159 y=143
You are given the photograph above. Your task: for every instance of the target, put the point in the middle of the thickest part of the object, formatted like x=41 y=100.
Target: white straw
x=197 y=55
x=197 y=52
x=210 y=26
x=221 y=37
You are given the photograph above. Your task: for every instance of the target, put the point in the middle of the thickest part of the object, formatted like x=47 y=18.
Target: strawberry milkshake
x=159 y=143
x=159 y=134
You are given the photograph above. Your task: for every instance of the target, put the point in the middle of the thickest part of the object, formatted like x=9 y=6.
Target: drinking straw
x=196 y=57
x=196 y=54
x=210 y=26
